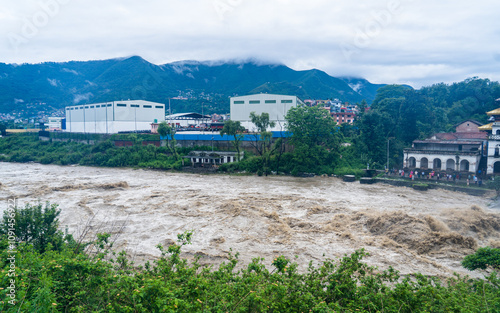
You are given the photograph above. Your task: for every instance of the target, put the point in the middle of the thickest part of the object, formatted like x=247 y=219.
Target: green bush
x=69 y=280
x=33 y=224
x=483 y=258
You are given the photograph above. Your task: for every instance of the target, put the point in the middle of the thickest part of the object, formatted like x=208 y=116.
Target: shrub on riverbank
x=28 y=148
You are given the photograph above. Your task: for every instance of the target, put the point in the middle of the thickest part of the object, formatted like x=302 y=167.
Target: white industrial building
x=113 y=117
x=276 y=105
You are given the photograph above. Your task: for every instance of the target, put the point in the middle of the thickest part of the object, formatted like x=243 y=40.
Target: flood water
x=312 y=218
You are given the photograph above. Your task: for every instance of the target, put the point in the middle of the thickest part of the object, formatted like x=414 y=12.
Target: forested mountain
x=61 y=84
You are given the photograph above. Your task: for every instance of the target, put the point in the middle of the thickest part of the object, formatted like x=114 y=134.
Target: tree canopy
x=315 y=138
x=234 y=128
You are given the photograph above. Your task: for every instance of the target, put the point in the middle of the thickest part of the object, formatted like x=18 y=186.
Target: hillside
x=55 y=85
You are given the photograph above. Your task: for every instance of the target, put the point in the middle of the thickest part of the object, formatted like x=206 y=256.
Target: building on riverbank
x=276 y=106
x=493 y=148
x=114 y=117
x=462 y=151
x=213 y=158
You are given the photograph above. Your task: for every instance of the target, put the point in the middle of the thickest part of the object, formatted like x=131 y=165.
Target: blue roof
x=218 y=137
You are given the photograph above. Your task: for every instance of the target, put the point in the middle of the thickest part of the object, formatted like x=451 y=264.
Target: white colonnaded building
x=276 y=105
x=113 y=117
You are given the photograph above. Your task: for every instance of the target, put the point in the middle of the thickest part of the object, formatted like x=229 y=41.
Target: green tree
x=234 y=128
x=34 y=224
x=262 y=122
x=372 y=141
x=167 y=131
x=315 y=138
x=483 y=258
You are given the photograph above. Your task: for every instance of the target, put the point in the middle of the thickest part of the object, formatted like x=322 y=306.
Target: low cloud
x=384 y=41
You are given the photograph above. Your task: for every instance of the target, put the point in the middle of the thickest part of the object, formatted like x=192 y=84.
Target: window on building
x=121 y=105
x=109 y=105
x=87 y=107
x=147 y=106
x=159 y=106
x=134 y=105
x=270 y=101
x=91 y=106
x=239 y=102
x=286 y=101
x=97 y=106
x=254 y=101
x=81 y=108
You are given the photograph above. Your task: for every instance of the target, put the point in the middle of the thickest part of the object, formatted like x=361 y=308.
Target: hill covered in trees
x=55 y=85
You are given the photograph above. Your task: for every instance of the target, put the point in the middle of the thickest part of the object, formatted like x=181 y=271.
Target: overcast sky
x=416 y=42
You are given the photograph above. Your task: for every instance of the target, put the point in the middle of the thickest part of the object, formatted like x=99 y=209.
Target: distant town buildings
x=344 y=117
x=113 y=117
x=340 y=112
x=276 y=105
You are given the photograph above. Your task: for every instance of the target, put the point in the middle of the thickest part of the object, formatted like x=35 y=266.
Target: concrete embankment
x=473 y=191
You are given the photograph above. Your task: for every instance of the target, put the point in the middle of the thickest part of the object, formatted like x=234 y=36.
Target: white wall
x=276 y=105
x=112 y=117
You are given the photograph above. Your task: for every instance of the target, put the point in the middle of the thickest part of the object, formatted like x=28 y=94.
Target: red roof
x=461 y=136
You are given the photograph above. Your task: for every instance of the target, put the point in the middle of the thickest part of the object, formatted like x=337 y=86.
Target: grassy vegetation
x=28 y=148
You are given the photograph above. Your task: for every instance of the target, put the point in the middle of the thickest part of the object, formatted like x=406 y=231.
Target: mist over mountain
x=55 y=85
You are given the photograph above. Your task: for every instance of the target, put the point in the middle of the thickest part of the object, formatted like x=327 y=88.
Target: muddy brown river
x=311 y=218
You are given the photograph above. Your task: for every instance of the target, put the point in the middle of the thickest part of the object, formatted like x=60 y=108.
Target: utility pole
x=169 y=113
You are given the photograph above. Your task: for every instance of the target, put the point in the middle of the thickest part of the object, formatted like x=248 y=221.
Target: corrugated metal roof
x=217 y=137
x=190 y=115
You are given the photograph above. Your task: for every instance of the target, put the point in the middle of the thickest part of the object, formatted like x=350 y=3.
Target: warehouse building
x=113 y=117
x=276 y=105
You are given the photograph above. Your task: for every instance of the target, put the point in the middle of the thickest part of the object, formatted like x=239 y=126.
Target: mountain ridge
x=58 y=84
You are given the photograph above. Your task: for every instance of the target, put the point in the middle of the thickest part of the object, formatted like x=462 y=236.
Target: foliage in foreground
x=69 y=280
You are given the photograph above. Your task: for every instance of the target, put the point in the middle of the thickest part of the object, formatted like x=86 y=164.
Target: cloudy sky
x=417 y=42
